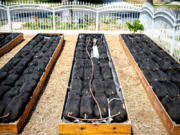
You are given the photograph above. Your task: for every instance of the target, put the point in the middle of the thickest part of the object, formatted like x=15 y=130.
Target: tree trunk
x=150 y=1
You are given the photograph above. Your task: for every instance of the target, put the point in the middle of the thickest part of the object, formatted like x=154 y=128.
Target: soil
x=160 y=69
x=46 y=116
x=6 y=38
x=102 y=84
x=143 y=117
x=20 y=76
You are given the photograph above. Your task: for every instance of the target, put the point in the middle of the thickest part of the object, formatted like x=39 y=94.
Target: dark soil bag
x=160 y=70
x=72 y=106
x=86 y=107
x=92 y=77
x=20 y=76
x=116 y=106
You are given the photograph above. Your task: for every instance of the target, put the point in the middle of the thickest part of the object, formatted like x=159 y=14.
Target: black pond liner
x=160 y=69
x=20 y=76
x=6 y=38
x=80 y=102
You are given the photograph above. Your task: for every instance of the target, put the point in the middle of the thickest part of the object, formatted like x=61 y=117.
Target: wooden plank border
x=10 y=45
x=171 y=127
x=95 y=128
x=16 y=126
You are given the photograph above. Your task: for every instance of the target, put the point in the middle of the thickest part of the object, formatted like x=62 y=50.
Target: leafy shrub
x=88 y=20
x=135 y=26
x=114 y=21
x=106 y=20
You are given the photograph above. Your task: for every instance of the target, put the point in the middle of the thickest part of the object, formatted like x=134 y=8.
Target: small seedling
x=135 y=26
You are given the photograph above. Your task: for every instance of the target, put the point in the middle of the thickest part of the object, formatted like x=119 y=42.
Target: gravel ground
x=143 y=117
x=46 y=116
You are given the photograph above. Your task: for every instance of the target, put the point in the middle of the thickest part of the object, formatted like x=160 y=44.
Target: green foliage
x=108 y=20
x=135 y=26
x=178 y=38
x=176 y=54
x=37 y=25
x=88 y=20
x=43 y=0
x=114 y=20
x=2 y=23
x=51 y=17
x=173 y=6
x=93 y=1
x=69 y=26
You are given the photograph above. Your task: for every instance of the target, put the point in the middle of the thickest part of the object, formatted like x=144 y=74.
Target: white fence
x=68 y=16
x=162 y=25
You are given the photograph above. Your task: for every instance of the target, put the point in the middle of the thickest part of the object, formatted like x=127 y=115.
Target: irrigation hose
x=1 y=117
x=90 y=82
x=114 y=99
x=90 y=89
x=75 y=118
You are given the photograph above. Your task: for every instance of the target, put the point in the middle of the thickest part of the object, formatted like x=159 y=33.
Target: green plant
x=135 y=26
x=114 y=20
x=88 y=20
x=36 y=25
x=2 y=23
x=106 y=20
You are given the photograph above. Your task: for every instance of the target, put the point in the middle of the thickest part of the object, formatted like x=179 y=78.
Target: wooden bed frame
x=171 y=127
x=95 y=128
x=10 y=45
x=15 y=127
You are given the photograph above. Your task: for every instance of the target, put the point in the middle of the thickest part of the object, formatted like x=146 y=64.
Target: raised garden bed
x=9 y=41
x=94 y=102
x=160 y=76
x=23 y=77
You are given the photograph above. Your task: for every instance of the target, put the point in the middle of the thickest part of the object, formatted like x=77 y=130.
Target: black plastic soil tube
x=160 y=70
x=93 y=94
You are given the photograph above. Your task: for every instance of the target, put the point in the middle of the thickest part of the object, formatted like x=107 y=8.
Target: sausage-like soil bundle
x=6 y=38
x=92 y=84
x=20 y=76
x=160 y=69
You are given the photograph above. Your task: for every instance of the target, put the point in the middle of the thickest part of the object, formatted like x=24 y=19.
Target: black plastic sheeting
x=160 y=69
x=79 y=102
x=6 y=38
x=20 y=76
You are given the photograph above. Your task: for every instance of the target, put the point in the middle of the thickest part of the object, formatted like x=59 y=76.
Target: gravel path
x=47 y=114
x=143 y=117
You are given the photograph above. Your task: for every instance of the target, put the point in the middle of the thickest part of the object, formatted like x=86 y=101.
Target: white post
x=152 y=29
x=97 y=21
x=9 y=19
x=54 y=20
x=173 y=40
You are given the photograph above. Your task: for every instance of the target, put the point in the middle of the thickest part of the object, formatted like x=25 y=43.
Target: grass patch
x=143 y=1
x=3 y=23
x=43 y=25
x=167 y=6
x=176 y=54
x=166 y=46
